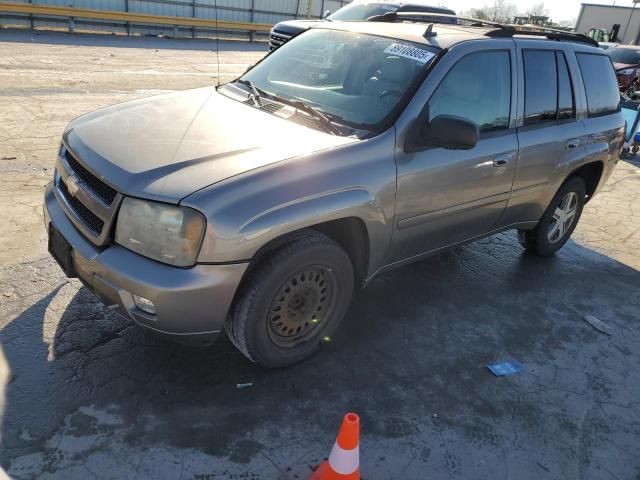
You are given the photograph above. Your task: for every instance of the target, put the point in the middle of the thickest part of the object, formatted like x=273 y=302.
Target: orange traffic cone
x=344 y=461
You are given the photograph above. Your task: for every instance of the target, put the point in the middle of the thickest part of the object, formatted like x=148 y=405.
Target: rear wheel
x=291 y=300
x=558 y=222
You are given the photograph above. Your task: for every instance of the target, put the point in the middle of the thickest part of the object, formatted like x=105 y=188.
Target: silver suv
x=355 y=148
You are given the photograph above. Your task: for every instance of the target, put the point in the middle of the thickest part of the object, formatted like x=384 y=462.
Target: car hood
x=169 y=146
x=295 y=27
x=622 y=66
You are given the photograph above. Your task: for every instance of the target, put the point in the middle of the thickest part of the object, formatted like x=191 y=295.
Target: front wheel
x=558 y=222
x=291 y=300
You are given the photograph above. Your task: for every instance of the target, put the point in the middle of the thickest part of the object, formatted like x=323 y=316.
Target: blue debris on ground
x=598 y=324
x=504 y=369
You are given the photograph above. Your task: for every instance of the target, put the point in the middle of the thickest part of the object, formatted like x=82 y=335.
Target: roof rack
x=500 y=30
x=550 y=33
x=432 y=18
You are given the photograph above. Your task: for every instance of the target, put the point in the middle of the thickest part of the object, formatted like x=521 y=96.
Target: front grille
x=278 y=39
x=103 y=191
x=91 y=221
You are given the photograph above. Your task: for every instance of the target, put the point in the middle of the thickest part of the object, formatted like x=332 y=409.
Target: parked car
x=358 y=147
x=631 y=111
x=356 y=11
x=626 y=61
x=607 y=45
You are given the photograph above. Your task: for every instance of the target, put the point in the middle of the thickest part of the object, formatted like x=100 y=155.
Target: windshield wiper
x=255 y=92
x=323 y=119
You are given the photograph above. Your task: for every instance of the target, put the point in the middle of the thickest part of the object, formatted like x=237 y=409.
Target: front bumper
x=191 y=304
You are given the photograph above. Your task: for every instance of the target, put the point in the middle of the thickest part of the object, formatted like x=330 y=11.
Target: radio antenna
x=215 y=5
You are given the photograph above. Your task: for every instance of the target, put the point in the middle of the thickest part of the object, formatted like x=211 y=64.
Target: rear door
x=550 y=134
x=604 y=121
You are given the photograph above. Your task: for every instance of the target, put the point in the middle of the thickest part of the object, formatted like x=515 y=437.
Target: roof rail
x=500 y=30
x=550 y=33
x=429 y=17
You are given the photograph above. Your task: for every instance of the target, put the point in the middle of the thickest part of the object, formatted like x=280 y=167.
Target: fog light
x=144 y=304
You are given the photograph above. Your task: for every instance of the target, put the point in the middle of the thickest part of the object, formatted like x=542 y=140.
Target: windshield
x=353 y=78
x=362 y=11
x=629 y=56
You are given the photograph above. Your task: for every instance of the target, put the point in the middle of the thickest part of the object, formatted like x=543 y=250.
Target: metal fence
x=241 y=12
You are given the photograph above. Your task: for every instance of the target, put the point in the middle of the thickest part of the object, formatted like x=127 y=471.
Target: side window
x=477 y=88
x=566 y=98
x=547 y=85
x=540 y=86
x=601 y=85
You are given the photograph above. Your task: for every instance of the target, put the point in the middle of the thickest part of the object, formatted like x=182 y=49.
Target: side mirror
x=326 y=13
x=444 y=131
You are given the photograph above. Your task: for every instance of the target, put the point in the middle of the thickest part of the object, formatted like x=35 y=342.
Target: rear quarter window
x=601 y=84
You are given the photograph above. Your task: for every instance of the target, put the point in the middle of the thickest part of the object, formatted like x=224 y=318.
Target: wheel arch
x=591 y=174
x=350 y=233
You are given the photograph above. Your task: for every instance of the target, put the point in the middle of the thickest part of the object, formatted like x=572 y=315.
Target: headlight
x=159 y=231
x=627 y=71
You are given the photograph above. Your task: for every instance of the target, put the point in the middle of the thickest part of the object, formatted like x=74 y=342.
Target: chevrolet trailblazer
x=259 y=205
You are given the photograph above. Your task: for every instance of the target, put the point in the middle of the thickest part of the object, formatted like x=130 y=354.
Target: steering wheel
x=389 y=94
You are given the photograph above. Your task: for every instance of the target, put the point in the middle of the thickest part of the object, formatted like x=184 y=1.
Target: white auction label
x=414 y=53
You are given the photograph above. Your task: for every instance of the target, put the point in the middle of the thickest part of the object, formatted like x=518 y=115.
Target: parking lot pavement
x=46 y=79
x=93 y=396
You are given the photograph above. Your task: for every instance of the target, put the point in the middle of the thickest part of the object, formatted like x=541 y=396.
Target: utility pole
x=309 y=5
x=252 y=34
x=633 y=10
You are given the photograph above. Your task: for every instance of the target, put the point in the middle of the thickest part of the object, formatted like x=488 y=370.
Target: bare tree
x=500 y=11
x=567 y=23
x=538 y=10
x=479 y=13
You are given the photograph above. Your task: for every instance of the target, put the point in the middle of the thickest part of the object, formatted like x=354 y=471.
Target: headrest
x=395 y=69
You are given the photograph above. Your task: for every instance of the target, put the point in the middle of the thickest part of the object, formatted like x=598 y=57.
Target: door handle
x=572 y=144
x=502 y=160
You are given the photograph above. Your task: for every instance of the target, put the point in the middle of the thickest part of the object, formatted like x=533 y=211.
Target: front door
x=445 y=196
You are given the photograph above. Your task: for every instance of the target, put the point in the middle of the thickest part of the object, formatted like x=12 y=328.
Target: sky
x=559 y=9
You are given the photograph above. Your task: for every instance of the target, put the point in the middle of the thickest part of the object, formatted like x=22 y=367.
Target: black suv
x=358 y=11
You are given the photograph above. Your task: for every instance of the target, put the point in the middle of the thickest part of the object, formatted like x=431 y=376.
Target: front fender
x=354 y=202
x=306 y=212
x=245 y=213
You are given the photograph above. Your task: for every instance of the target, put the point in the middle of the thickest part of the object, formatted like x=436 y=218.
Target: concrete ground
x=92 y=396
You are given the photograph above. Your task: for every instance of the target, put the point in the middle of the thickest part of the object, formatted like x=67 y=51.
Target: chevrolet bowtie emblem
x=72 y=185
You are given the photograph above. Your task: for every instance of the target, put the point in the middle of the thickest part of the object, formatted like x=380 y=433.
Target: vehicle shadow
x=632 y=159
x=10 y=35
x=410 y=354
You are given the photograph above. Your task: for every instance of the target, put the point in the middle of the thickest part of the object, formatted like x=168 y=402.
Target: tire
x=544 y=240
x=293 y=298
x=632 y=89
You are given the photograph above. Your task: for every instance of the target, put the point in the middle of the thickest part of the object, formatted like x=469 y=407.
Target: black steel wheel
x=301 y=305
x=291 y=299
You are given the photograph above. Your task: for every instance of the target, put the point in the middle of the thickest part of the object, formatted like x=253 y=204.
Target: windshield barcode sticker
x=414 y=53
